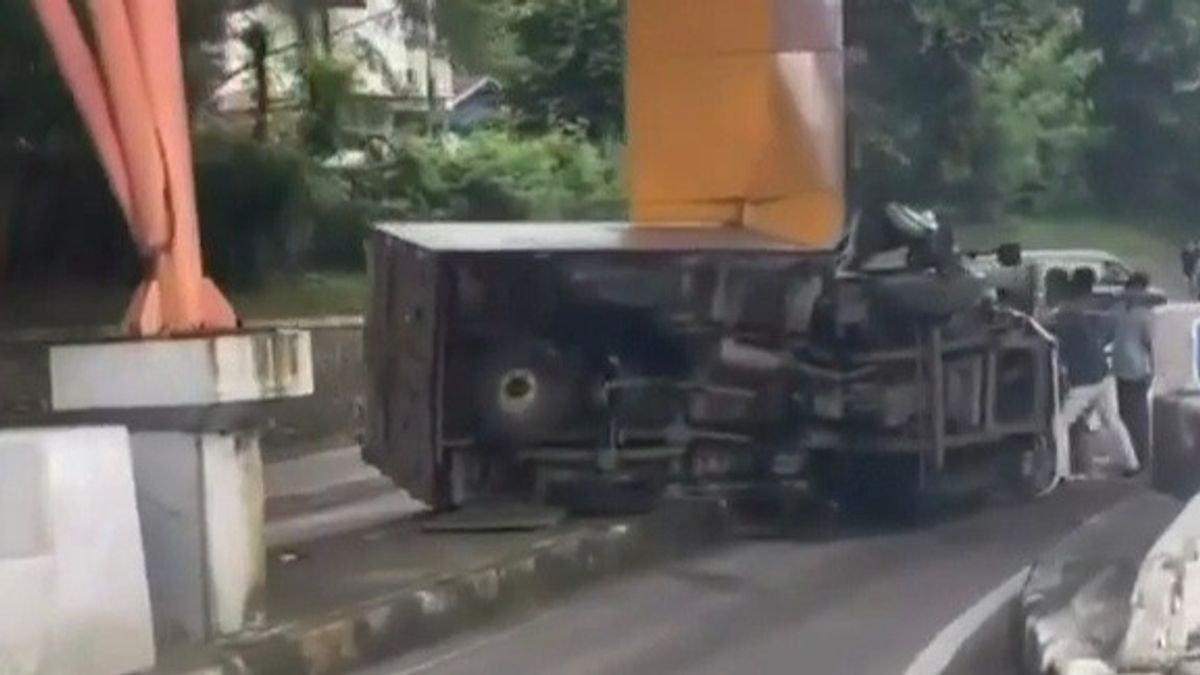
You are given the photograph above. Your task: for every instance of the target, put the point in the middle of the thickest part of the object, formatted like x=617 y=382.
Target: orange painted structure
x=128 y=87
x=736 y=115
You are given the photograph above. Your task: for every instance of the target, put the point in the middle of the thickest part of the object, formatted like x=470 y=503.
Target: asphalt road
x=831 y=599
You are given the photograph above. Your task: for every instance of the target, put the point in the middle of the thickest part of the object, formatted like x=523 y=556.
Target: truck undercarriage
x=594 y=366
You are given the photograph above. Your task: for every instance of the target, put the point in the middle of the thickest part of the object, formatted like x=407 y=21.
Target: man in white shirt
x=1133 y=360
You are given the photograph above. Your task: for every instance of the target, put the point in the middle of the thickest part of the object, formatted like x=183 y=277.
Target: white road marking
x=938 y=654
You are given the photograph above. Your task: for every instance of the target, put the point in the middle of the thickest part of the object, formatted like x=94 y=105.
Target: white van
x=1025 y=284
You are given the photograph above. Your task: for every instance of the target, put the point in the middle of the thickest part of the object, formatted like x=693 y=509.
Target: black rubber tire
x=927 y=295
x=601 y=496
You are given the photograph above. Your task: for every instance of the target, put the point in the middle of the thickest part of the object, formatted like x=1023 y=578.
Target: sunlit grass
x=311 y=294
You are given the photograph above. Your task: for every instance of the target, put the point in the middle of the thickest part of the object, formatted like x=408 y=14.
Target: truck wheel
x=598 y=496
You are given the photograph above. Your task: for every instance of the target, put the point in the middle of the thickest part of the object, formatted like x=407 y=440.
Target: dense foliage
x=572 y=66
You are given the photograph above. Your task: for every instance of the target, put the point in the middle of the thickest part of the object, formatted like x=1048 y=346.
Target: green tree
x=328 y=85
x=979 y=104
x=906 y=92
x=479 y=36
x=1032 y=124
x=201 y=26
x=45 y=153
x=1147 y=92
x=572 y=66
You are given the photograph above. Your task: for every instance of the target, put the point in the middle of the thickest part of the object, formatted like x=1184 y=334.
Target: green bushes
x=251 y=200
x=496 y=175
x=267 y=207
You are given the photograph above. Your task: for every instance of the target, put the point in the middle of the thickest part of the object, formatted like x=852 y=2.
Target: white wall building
x=388 y=50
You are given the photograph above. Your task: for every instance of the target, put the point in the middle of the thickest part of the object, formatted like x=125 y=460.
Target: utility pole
x=433 y=114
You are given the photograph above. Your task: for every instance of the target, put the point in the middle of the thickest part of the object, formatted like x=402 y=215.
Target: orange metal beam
x=130 y=93
x=736 y=115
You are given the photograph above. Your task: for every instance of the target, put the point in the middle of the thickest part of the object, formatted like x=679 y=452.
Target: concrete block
x=1166 y=598
x=120 y=375
x=1075 y=606
x=1176 y=434
x=201 y=500
x=1176 y=348
x=293 y=426
x=72 y=573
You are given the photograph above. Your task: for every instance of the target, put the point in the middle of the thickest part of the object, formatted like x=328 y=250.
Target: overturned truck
x=721 y=340
x=597 y=365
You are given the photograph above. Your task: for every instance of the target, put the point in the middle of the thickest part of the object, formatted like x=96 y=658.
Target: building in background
x=394 y=78
x=477 y=100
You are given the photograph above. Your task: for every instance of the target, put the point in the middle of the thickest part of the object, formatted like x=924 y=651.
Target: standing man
x=1081 y=342
x=1133 y=361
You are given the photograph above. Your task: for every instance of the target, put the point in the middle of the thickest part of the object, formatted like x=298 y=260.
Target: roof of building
x=467 y=86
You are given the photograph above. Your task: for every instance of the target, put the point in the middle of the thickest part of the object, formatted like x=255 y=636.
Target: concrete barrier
x=329 y=419
x=1176 y=467
x=190 y=403
x=1165 y=620
x=1174 y=339
x=1175 y=416
x=73 y=590
x=1075 y=607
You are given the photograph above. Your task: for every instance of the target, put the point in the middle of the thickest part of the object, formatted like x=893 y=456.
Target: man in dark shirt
x=1082 y=335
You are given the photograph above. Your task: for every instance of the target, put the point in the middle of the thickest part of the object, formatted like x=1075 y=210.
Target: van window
x=1114 y=273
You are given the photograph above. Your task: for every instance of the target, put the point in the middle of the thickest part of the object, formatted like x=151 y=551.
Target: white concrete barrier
x=199 y=484
x=201 y=371
x=73 y=591
x=1175 y=453
x=1175 y=331
x=1164 y=620
x=201 y=503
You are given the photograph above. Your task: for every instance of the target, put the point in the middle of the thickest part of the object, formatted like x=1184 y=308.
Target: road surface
x=828 y=600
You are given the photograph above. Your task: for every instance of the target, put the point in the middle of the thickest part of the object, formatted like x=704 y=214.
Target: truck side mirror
x=1009 y=255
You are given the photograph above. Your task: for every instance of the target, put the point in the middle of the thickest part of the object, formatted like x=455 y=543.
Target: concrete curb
x=982 y=641
x=423 y=613
x=1074 y=609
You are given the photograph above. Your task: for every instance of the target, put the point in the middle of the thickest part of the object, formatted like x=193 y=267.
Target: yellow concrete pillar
x=736 y=115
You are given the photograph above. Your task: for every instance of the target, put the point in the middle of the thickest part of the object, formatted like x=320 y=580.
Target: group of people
x=1117 y=389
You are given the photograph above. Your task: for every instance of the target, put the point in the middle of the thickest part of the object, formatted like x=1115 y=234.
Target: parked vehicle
x=1025 y=285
